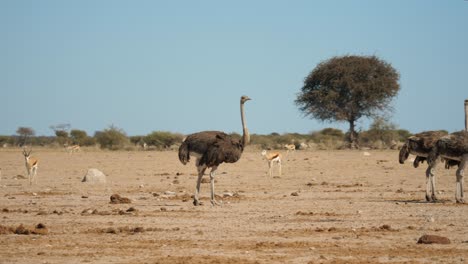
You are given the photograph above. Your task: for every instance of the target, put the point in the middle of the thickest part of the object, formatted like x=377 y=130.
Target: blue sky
x=181 y=66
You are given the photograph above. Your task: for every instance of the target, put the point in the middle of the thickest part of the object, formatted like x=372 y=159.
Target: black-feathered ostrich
x=421 y=145
x=211 y=148
x=453 y=147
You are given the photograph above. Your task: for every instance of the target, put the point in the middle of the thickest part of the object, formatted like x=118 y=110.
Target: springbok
x=31 y=165
x=290 y=147
x=273 y=157
x=73 y=148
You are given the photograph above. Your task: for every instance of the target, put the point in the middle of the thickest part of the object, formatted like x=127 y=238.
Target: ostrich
x=453 y=148
x=421 y=145
x=211 y=148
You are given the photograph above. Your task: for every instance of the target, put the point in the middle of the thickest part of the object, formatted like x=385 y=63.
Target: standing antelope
x=31 y=165
x=290 y=147
x=273 y=157
x=73 y=148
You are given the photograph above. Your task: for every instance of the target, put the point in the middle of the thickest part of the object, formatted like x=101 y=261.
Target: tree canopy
x=346 y=88
x=24 y=133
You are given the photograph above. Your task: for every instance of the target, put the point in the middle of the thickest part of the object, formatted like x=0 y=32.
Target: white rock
x=94 y=176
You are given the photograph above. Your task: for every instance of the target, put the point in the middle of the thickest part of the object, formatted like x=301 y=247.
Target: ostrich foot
x=428 y=198
x=197 y=203
x=215 y=203
x=434 y=198
x=460 y=200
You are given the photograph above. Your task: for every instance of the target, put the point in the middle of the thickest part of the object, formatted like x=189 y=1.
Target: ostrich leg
x=201 y=172
x=212 y=178
x=430 y=183
x=459 y=196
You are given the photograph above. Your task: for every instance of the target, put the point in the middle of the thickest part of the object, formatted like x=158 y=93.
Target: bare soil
x=327 y=207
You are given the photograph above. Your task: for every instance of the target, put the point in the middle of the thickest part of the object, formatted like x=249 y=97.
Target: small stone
x=132 y=209
x=117 y=199
x=386 y=227
x=294 y=194
x=87 y=211
x=433 y=239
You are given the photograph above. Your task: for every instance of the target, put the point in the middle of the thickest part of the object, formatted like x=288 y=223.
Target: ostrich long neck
x=245 y=131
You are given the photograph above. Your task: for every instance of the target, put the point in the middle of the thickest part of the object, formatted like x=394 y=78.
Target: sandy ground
x=327 y=207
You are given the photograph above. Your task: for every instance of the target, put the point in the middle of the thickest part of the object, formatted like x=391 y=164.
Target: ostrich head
x=244 y=99
x=404 y=153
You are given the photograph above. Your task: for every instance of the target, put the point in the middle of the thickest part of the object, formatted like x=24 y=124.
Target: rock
x=21 y=230
x=433 y=239
x=366 y=153
x=94 y=176
x=132 y=209
x=385 y=227
x=40 y=229
x=19 y=177
x=295 y=194
x=117 y=199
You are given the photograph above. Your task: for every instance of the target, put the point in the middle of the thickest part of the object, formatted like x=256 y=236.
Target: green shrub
x=381 y=134
x=163 y=139
x=5 y=140
x=112 y=138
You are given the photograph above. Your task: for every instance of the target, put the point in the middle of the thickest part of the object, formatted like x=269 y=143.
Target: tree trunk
x=352 y=136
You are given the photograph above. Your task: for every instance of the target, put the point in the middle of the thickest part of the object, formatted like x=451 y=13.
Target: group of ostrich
x=212 y=148
x=436 y=147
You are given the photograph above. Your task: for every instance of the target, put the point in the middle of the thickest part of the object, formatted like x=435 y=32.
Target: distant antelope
x=273 y=157
x=73 y=148
x=290 y=147
x=31 y=165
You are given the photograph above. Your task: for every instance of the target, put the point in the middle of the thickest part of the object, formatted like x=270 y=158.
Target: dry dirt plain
x=327 y=207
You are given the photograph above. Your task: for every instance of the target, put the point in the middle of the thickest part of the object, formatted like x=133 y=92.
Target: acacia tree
x=24 y=133
x=346 y=88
